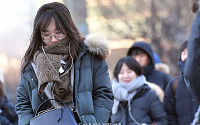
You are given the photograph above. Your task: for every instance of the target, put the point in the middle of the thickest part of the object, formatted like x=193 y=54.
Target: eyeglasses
x=48 y=38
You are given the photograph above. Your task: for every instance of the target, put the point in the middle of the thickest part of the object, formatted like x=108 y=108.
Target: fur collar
x=97 y=45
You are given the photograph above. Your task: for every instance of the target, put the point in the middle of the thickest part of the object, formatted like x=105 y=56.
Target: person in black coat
x=60 y=63
x=179 y=102
x=134 y=102
x=143 y=53
x=192 y=66
x=8 y=115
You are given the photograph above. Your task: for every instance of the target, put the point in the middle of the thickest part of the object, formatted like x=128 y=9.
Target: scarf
x=48 y=65
x=126 y=92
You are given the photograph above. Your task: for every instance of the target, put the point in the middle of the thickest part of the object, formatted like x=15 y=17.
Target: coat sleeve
x=23 y=106
x=102 y=92
x=157 y=112
x=170 y=104
x=192 y=66
x=167 y=80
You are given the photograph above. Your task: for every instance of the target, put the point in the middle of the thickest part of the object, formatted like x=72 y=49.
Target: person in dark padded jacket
x=62 y=64
x=143 y=53
x=192 y=65
x=134 y=102
x=8 y=114
x=179 y=103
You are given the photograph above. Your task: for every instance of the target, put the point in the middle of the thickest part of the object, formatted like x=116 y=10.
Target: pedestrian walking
x=60 y=63
x=134 y=102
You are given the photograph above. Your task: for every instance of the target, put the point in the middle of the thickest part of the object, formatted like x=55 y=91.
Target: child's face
x=126 y=75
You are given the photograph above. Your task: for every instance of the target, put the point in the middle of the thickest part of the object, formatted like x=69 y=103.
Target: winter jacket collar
x=97 y=45
x=181 y=65
x=30 y=74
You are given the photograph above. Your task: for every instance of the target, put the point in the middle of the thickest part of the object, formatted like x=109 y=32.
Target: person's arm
x=102 y=92
x=192 y=66
x=170 y=104
x=167 y=80
x=23 y=106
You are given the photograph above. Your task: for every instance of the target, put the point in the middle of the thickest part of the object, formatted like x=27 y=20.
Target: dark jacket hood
x=146 y=48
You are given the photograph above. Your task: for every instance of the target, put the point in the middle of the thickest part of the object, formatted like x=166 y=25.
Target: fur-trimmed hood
x=97 y=45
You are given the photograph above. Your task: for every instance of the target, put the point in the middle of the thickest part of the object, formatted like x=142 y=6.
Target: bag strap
x=38 y=109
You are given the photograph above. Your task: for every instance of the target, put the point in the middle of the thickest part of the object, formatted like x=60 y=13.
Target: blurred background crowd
x=163 y=24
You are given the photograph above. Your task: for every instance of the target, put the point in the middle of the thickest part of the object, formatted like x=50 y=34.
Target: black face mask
x=148 y=69
x=181 y=65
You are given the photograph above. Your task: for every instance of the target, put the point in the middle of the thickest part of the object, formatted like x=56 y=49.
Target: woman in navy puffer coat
x=134 y=102
x=60 y=63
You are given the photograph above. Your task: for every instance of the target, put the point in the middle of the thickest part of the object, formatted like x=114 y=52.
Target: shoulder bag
x=54 y=116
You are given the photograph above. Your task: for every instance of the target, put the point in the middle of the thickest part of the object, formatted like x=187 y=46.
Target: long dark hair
x=60 y=13
x=195 y=6
x=131 y=63
x=2 y=94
